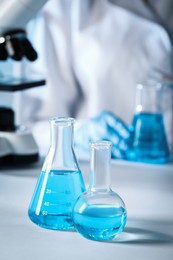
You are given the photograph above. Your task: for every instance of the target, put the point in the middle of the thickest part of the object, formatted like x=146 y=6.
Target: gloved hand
x=105 y=126
x=15 y=44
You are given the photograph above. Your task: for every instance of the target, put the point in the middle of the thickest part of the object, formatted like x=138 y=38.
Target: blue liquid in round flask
x=100 y=213
x=60 y=182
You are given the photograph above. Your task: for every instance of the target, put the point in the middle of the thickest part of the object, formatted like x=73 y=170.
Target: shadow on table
x=139 y=232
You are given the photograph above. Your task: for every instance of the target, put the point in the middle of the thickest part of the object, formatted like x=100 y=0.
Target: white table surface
x=147 y=191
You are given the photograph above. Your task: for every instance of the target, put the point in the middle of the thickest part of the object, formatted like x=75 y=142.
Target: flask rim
x=150 y=85
x=101 y=143
x=61 y=120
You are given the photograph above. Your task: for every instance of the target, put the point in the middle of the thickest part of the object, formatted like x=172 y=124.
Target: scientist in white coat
x=93 y=53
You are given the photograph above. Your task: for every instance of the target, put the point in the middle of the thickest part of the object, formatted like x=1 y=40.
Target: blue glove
x=105 y=126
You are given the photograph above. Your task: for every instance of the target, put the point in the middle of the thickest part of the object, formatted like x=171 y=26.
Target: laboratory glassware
x=167 y=108
x=100 y=213
x=60 y=181
x=148 y=142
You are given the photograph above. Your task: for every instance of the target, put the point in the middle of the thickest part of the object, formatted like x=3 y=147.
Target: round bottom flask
x=99 y=213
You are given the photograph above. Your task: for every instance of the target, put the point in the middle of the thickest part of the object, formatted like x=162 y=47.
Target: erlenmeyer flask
x=99 y=213
x=60 y=182
x=148 y=137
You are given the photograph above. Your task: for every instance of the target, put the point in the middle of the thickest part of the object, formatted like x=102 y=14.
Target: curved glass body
x=60 y=182
x=148 y=136
x=100 y=213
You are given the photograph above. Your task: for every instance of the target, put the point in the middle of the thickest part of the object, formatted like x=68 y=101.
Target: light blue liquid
x=149 y=142
x=100 y=222
x=54 y=197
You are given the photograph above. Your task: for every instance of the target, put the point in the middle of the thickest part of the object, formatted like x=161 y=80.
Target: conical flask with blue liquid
x=60 y=182
x=148 y=141
x=100 y=213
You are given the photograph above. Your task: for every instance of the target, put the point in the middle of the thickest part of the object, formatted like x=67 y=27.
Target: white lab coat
x=93 y=54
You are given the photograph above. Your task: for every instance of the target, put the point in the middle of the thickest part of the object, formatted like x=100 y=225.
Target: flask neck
x=100 y=166
x=61 y=137
x=61 y=148
x=148 y=98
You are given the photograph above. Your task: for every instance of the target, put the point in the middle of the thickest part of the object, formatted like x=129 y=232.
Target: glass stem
x=100 y=166
x=61 y=144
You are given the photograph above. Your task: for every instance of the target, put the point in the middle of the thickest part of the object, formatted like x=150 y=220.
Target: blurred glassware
x=166 y=80
x=148 y=142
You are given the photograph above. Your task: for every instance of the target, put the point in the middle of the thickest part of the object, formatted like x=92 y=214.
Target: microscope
x=17 y=144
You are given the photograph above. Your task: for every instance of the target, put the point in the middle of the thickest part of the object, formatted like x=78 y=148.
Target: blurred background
x=86 y=61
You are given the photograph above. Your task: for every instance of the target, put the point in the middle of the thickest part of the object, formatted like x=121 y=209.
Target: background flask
x=148 y=141
x=99 y=213
x=60 y=182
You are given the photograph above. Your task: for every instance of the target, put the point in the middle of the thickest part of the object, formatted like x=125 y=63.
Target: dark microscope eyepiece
x=14 y=44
